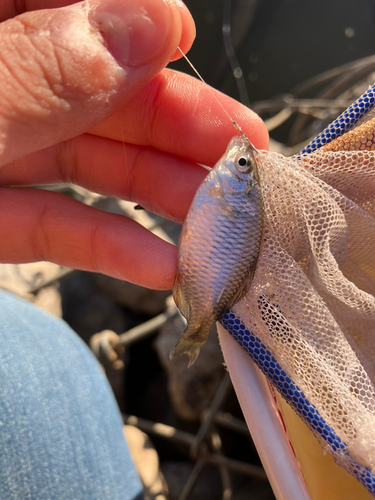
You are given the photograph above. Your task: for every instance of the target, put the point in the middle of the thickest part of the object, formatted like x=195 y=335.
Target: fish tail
x=187 y=345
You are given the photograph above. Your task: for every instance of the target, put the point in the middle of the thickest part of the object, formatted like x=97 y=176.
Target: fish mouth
x=242 y=141
x=244 y=136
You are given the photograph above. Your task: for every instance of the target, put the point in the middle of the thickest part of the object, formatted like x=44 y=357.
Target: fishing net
x=308 y=319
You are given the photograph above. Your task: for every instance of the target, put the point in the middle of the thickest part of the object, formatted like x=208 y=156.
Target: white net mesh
x=311 y=301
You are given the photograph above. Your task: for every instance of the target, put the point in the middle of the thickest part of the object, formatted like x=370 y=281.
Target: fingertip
x=137 y=33
x=188 y=31
x=256 y=129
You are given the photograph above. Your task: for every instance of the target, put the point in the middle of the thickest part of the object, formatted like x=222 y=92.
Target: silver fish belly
x=219 y=245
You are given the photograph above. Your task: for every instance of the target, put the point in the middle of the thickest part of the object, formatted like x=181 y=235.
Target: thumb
x=65 y=70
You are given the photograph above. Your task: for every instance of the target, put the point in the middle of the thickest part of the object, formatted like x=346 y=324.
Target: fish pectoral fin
x=179 y=297
x=243 y=289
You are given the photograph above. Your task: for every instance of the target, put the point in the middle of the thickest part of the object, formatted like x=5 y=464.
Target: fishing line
x=235 y=124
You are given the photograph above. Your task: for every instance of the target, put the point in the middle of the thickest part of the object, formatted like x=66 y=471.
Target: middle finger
x=160 y=182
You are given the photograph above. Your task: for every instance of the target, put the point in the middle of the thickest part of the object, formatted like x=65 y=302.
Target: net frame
x=320 y=171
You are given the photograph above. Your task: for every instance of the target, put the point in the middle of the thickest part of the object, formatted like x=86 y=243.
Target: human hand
x=98 y=66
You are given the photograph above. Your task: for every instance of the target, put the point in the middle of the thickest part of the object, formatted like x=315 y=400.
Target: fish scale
x=219 y=244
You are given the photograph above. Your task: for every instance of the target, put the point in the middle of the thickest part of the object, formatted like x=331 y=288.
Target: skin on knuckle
x=86 y=66
x=32 y=80
x=149 y=106
x=140 y=160
x=95 y=243
x=51 y=66
x=67 y=161
x=40 y=236
x=51 y=241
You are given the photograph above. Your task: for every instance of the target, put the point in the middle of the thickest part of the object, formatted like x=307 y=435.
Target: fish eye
x=244 y=164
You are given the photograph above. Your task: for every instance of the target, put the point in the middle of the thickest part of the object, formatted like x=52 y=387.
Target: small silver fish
x=219 y=244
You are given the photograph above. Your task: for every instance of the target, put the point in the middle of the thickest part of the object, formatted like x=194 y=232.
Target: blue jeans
x=60 y=428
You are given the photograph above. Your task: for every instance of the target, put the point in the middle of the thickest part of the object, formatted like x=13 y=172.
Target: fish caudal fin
x=186 y=345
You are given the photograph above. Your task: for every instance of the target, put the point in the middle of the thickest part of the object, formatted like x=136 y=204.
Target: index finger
x=180 y=115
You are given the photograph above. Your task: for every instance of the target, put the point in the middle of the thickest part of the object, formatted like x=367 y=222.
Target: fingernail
x=135 y=31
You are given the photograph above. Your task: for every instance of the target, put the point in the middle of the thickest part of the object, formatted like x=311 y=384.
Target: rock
x=253 y=488
x=165 y=229
x=207 y=487
x=87 y=310
x=19 y=279
x=191 y=389
x=138 y=299
x=76 y=192
x=146 y=461
x=49 y=299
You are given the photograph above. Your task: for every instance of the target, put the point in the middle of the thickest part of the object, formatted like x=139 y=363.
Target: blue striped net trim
x=347 y=120
x=269 y=365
